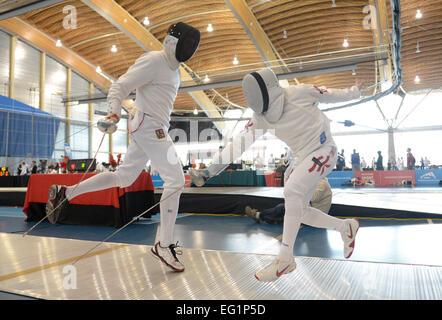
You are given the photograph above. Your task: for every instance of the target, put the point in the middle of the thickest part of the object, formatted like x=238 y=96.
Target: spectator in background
x=427 y=163
x=259 y=162
x=401 y=163
x=422 y=164
x=271 y=162
x=373 y=164
x=343 y=157
x=355 y=161
x=379 y=162
x=34 y=167
x=393 y=164
x=24 y=169
x=340 y=163
x=363 y=164
x=42 y=166
x=389 y=165
x=411 y=161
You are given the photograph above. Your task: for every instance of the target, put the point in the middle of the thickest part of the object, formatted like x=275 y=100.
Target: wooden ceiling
x=311 y=26
x=426 y=31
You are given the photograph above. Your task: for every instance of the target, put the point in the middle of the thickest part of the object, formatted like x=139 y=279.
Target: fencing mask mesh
x=188 y=40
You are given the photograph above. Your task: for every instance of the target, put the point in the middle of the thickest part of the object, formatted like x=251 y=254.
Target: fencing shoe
x=56 y=202
x=349 y=236
x=168 y=256
x=252 y=213
x=276 y=269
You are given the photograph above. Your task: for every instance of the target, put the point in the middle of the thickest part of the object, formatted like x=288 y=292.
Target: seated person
x=321 y=200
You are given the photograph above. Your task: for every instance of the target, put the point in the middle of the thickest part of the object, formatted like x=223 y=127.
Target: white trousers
x=150 y=141
x=298 y=190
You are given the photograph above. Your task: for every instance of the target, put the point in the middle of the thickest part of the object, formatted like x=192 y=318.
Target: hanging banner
x=431 y=177
x=67 y=150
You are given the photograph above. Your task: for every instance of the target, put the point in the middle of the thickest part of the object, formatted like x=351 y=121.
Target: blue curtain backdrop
x=26 y=131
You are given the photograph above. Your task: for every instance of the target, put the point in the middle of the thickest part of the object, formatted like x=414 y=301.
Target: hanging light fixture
x=333 y=3
x=195 y=111
x=98 y=69
x=206 y=78
x=146 y=21
x=58 y=43
x=114 y=48
x=417 y=80
x=345 y=44
x=418 y=13
x=284 y=34
x=209 y=27
x=418 y=49
x=235 y=60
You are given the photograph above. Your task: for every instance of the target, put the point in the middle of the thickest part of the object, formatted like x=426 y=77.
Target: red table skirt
x=273 y=179
x=38 y=189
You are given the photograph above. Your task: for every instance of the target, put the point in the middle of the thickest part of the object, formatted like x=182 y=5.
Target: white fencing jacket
x=302 y=125
x=156 y=79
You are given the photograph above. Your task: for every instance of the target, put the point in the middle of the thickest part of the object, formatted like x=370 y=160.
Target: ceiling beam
x=125 y=22
x=256 y=34
x=340 y=64
x=20 y=10
x=381 y=37
x=46 y=44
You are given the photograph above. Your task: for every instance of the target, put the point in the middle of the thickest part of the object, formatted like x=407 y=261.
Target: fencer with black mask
x=155 y=76
x=293 y=116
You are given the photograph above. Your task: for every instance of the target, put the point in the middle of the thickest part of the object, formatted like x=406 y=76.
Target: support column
x=41 y=104
x=12 y=46
x=91 y=119
x=391 y=148
x=68 y=104
x=111 y=144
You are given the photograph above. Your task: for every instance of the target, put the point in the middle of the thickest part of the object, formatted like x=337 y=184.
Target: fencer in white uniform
x=293 y=116
x=156 y=78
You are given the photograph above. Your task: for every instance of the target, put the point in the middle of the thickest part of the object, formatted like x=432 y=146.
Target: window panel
x=27 y=74
x=80 y=155
x=60 y=138
x=421 y=110
x=56 y=156
x=4 y=63
x=79 y=88
x=367 y=145
x=96 y=139
x=55 y=87
x=423 y=144
x=79 y=139
x=119 y=140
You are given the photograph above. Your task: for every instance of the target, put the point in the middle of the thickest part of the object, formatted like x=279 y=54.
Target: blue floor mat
x=393 y=241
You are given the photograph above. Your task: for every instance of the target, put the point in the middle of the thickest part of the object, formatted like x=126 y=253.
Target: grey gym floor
x=386 y=241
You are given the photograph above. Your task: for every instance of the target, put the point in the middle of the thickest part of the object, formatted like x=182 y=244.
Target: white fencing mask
x=264 y=94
